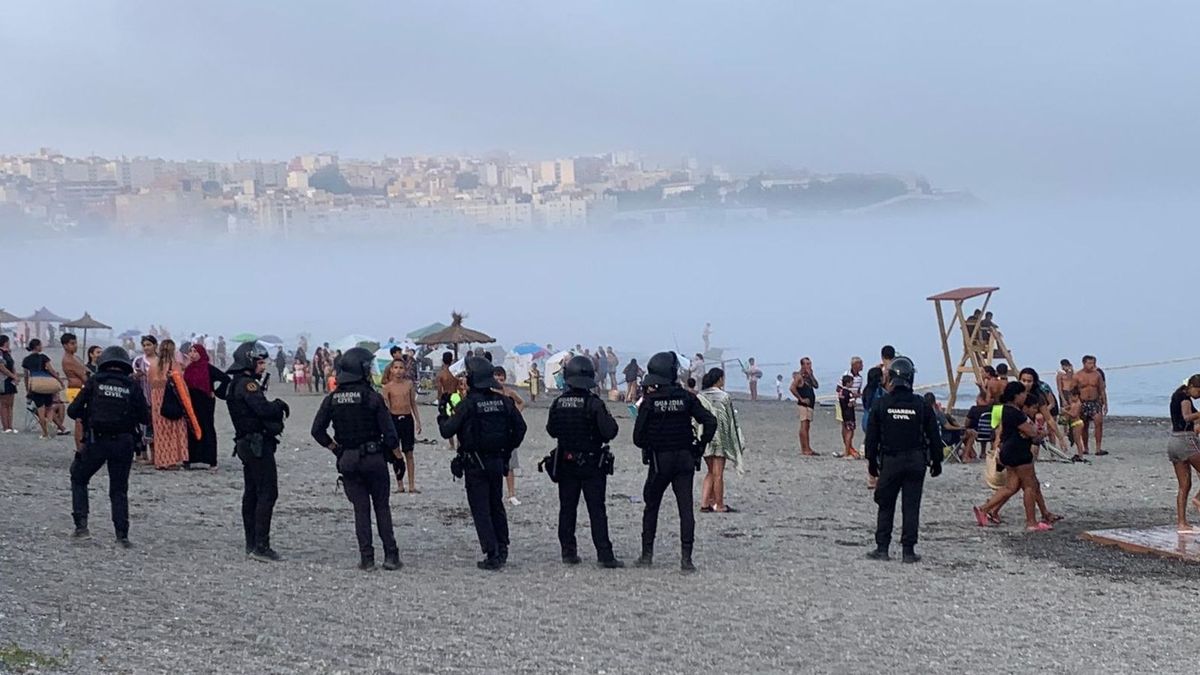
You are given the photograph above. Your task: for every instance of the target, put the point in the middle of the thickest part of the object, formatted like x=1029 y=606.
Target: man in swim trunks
x=447 y=386
x=1093 y=398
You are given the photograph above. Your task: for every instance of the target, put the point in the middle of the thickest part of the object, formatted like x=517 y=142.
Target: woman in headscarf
x=206 y=383
x=725 y=448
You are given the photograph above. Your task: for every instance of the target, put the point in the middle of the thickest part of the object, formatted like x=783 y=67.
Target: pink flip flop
x=980 y=516
x=1040 y=527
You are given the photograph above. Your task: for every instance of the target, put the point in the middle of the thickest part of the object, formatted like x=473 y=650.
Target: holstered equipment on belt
x=250 y=445
x=463 y=461
x=549 y=465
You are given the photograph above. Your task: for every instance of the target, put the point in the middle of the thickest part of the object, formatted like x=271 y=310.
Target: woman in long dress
x=725 y=448
x=206 y=384
x=170 y=436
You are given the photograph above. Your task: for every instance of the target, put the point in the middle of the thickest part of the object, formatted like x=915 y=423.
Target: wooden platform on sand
x=1160 y=541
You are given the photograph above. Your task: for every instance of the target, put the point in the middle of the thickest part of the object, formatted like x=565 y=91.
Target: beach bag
x=45 y=385
x=994 y=473
x=172 y=405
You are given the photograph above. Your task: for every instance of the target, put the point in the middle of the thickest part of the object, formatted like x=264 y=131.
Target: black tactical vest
x=110 y=409
x=574 y=424
x=490 y=431
x=354 y=420
x=668 y=424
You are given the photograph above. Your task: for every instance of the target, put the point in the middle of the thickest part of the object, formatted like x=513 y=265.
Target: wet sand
x=782 y=586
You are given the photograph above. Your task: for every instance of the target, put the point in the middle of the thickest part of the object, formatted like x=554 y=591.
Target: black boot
x=490 y=563
x=685 y=560
x=503 y=556
x=611 y=563
x=265 y=554
x=123 y=540
x=910 y=555
x=81 y=528
x=570 y=558
x=391 y=561
x=879 y=554
x=366 y=563
x=647 y=557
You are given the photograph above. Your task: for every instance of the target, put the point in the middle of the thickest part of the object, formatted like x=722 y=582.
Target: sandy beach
x=782 y=586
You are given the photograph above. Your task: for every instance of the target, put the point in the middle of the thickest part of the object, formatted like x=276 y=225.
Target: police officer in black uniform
x=257 y=425
x=663 y=431
x=489 y=428
x=365 y=438
x=902 y=439
x=581 y=462
x=110 y=407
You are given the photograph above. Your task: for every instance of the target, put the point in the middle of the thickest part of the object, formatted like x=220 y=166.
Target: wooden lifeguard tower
x=981 y=345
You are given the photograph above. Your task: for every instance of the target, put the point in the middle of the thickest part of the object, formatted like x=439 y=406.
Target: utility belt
x=372 y=448
x=601 y=459
x=886 y=453
x=465 y=460
x=92 y=436
x=250 y=445
x=695 y=450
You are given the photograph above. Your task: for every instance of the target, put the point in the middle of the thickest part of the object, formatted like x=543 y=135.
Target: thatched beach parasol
x=86 y=322
x=455 y=334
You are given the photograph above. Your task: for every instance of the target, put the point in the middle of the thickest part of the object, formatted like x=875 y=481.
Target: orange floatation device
x=185 y=397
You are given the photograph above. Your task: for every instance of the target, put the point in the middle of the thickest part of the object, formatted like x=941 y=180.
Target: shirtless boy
x=1093 y=397
x=401 y=396
x=1071 y=421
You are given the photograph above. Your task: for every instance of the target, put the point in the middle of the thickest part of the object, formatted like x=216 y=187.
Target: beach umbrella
x=5 y=317
x=270 y=339
x=245 y=337
x=422 y=332
x=86 y=322
x=456 y=334
x=353 y=340
x=42 y=316
x=131 y=333
x=531 y=350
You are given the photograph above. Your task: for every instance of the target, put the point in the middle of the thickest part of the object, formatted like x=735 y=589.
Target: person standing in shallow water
x=1183 y=449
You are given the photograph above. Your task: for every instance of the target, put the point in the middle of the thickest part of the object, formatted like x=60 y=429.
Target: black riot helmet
x=355 y=366
x=580 y=373
x=115 y=358
x=481 y=373
x=901 y=372
x=247 y=356
x=662 y=369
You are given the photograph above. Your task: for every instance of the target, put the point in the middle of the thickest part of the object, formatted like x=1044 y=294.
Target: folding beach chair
x=29 y=422
x=953 y=442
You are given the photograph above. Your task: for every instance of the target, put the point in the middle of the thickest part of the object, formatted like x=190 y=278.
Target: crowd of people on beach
x=1010 y=423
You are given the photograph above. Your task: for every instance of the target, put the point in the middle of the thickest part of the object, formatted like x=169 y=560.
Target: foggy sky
x=1011 y=99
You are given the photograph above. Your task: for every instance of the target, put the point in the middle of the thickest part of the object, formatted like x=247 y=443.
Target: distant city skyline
x=310 y=194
